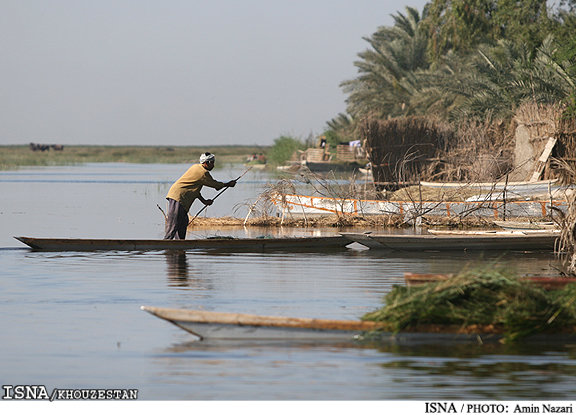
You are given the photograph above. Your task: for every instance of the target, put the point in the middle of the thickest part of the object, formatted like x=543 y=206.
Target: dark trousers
x=176 y=221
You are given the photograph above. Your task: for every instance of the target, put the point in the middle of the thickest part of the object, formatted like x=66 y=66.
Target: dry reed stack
x=401 y=149
x=482 y=152
x=536 y=126
x=565 y=150
x=405 y=150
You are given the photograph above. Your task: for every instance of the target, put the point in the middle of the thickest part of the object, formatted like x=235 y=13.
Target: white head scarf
x=204 y=157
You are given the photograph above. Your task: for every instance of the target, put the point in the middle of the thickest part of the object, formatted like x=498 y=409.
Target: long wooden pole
x=219 y=193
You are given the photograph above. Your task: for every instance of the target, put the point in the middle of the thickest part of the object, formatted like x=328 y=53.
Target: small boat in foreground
x=215 y=325
x=521 y=241
x=208 y=325
x=230 y=244
x=548 y=283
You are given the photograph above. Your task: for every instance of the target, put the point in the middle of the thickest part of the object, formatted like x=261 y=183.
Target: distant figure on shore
x=185 y=191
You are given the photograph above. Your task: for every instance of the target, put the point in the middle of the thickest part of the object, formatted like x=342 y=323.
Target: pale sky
x=179 y=72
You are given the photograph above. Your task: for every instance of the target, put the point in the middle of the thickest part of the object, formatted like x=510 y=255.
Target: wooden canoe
x=215 y=325
x=548 y=283
x=232 y=244
x=450 y=242
x=207 y=325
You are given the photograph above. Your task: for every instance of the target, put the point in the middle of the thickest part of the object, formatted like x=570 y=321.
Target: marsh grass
x=484 y=299
x=12 y=157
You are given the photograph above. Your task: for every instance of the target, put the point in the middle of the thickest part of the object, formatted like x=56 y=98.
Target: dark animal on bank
x=39 y=147
x=46 y=147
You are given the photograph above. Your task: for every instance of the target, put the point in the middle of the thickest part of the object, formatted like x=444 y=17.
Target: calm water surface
x=74 y=320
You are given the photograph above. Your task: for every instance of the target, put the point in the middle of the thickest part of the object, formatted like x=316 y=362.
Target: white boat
x=293 y=205
x=493 y=191
x=527 y=186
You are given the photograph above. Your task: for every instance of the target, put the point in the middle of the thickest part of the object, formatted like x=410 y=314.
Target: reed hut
x=401 y=150
x=543 y=137
x=538 y=143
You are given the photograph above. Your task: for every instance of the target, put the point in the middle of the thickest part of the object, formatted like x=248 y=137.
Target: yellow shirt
x=187 y=188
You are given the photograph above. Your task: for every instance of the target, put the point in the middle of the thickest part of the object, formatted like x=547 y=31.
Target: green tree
x=382 y=87
x=283 y=148
x=467 y=58
x=497 y=80
x=340 y=129
x=462 y=25
x=457 y=25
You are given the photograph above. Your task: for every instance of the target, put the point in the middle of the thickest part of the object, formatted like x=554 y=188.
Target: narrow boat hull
x=233 y=326
x=240 y=244
x=206 y=325
x=451 y=242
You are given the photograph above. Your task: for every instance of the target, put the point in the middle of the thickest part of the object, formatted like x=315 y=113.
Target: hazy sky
x=178 y=72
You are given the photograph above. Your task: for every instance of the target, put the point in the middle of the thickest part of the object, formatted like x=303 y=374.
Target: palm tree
x=384 y=86
x=508 y=76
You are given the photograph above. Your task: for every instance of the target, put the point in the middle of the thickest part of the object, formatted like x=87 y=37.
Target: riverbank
x=334 y=221
x=15 y=156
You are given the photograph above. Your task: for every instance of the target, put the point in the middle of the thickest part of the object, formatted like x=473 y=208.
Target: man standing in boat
x=185 y=191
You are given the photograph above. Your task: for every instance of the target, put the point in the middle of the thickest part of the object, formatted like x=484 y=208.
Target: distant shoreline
x=15 y=156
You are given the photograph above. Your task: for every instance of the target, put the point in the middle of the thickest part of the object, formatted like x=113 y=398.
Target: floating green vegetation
x=483 y=299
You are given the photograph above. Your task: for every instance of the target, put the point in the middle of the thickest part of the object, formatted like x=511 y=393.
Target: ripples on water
x=74 y=319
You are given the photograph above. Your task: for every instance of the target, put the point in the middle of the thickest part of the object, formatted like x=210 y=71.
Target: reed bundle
x=482 y=299
x=565 y=150
x=399 y=149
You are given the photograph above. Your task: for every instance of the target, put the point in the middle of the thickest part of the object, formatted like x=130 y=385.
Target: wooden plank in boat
x=419 y=279
x=548 y=283
x=525 y=225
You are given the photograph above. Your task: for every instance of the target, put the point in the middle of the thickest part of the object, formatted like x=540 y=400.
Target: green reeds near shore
x=12 y=157
x=484 y=299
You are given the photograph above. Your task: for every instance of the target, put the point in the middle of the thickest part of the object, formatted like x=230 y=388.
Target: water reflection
x=404 y=372
x=177 y=268
x=181 y=275
x=526 y=263
x=483 y=371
